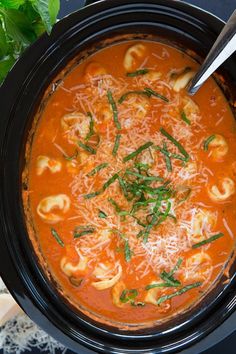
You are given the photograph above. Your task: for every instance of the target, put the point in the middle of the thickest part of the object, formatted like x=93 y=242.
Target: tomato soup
x=132 y=184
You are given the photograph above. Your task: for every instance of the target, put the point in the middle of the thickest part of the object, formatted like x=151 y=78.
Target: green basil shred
x=137 y=73
x=116 y=145
x=57 y=237
x=83 y=230
x=208 y=240
x=87 y=148
x=114 y=109
x=102 y=214
x=179 y=292
x=207 y=142
x=97 y=169
x=138 y=151
x=185 y=118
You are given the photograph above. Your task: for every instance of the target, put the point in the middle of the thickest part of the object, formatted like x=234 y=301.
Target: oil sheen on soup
x=132 y=183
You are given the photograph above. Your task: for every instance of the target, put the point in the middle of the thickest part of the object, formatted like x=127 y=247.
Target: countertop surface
x=222 y=9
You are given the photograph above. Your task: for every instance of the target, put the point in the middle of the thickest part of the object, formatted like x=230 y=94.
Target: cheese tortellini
x=135 y=52
x=48 y=207
x=198 y=267
x=94 y=69
x=69 y=269
x=153 y=294
x=222 y=191
x=203 y=221
x=45 y=162
x=116 y=292
x=105 y=272
x=180 y=81
x=75 y=125
x=218 y=147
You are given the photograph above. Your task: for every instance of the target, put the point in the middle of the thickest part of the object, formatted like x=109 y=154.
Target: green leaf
x=18 y=27
x=5 y=65
x=3 y=41
x=53 y=8
x=48 y=10
x=11 y=4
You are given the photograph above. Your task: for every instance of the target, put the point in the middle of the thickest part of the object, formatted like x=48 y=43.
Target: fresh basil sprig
x=21 y=23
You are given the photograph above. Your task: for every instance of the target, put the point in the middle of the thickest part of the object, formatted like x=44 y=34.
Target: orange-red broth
x=198 y=218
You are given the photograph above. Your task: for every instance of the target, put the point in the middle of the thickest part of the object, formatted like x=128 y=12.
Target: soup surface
x=132 y=183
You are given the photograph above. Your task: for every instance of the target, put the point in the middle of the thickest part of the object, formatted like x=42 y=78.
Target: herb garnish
x=110 y=181
x=91 y=127
x=114 y=109
x=116 y=145
x=83 y=230
x=168 y=277
x=102 y=214
x=185 y=118
x=97 y=169
x=138 y=151
x=128 y=295
x=91 y=195
x=57 y=237
x=179 y=292
x=176 y=143
x=105 y=186
x=208 y=240
x=159 y=285
x=207 y=142
x=155 y=94
x=21 y=23
x=137 y=73
x=148 y=92
x=87 y=148
x=128 y=252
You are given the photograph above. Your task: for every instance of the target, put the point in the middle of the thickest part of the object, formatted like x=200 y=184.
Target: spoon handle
x=222 y=49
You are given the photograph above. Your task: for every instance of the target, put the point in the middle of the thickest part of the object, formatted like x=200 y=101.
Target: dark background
x=222 y=9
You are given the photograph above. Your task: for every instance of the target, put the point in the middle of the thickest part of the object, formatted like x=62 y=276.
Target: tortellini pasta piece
x=140 y=106
x=116 y=292
x=180 y=81
x=223 y=191
x=152 y=75
x=75 y=124
x=102 y=271
x=69 y=269
x=198 y=266
x=153 y=294
x=135 y=52
x=190 y=108
x=218 y=147
x=47 y=208
x=94 y=69
x=203 y=221
x=45 y=162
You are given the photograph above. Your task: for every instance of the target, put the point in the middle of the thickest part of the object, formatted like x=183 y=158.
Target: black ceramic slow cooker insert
x=20 y=95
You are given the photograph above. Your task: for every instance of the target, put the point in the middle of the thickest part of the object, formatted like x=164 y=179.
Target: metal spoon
x=223 y=48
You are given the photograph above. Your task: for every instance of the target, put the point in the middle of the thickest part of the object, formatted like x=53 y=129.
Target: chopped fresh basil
x=137 y=73
x=114 y=109
x=138 y=151
x=208 y=240
x=207 y=142
x=97 y=169
x=57 y=237
x=179 y=292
